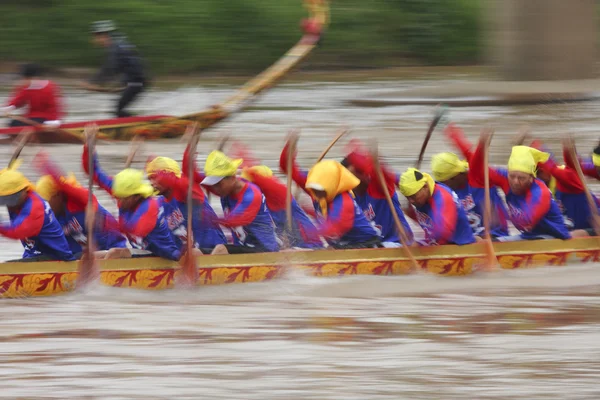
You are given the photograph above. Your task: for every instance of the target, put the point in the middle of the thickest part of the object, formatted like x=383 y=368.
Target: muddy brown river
x=528 y=334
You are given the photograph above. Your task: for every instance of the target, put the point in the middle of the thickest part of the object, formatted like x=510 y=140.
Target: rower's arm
x=498 y=177
x=28 y=223
x=537 y=204
x=566 y=176
x=458 y=138
x=245 y=211
x=340 y=218
x=143 y=220
x=299 y=176
x=364 y=163
x=101 y=178
x=19 y=97
x=444 y=216
x=185 y=165
x=274 y=191
x=589 y=169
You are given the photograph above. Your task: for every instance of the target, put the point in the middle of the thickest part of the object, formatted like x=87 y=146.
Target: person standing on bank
x=122 y=59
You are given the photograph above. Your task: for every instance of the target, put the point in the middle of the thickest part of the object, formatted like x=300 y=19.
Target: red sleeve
x=246 y=210
x=340 y=219
x=185 y=166
x=28 y=223
x=179 y=186
x=56 y=100
x=364 y=163
x=19 y=98
x=298 y=175
x=538 y=204
x=566 y=178
x=144 y=219
x=458 y=138
x=275 y=192
x=444 y=216
x=77 y=196
x=476 y=170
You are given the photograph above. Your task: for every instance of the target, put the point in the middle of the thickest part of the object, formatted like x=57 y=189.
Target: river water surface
x=529 y=334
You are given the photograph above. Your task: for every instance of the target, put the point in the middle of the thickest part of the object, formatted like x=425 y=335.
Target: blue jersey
x=473 y=200
x=443 y=218
x=249 y=219
x=378 y=213
x=38 y=229
x=345 y=223
x=304 y=233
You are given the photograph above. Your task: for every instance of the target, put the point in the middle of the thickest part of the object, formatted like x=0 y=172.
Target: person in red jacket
x=40 y=96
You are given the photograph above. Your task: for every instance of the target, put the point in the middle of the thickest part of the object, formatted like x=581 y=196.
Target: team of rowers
x=350 y=209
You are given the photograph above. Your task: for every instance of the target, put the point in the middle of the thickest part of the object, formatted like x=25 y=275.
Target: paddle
x=21 y=142
x=490 y=261
x=189 y=268
x=569 y=144
x=288 y=196
x=70 y=137
x=439 y=113
x=136 y=144
x=384 y=188
x=101 y=89
x=341 y=132
x=87 y=270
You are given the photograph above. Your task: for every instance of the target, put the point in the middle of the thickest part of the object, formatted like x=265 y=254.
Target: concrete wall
x=542 y=39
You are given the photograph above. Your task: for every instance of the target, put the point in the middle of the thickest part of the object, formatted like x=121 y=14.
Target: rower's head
x=220 y=173
x=156 y=168
x=326 y=180
x=364 y=178
x=522 y=167
x=102 y=32
x=49 y=190
x=14 y=188
x=29 y=72
x=596 y=159
x=450 y=170
x=417 y=187
x=130 y=188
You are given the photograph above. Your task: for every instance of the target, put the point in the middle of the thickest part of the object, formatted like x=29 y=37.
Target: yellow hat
x=219 y=166
x=525 y=159
x=46 y=186
x=409 y=184
x=596 y=159
x=130 y=182
x=261 y=170
x=163 y=164
x=447 y=165
x=12 y=181
x=332 y=178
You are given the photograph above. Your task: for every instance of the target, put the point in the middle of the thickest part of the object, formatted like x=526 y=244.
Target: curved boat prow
x=161 y=126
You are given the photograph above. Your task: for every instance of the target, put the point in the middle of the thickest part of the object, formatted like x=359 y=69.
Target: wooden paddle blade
x=440 y=112
x=88 y=271
x=189 y=270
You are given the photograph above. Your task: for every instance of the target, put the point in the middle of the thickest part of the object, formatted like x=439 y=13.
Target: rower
x=531 y=207
x=244 y=206
x=122 y=58
x=165 y=176
x=40 y=96
x=31 y=220
x=68 y=201
x=453 y=172
x=371 y=197
x=341 y=220
x=591 y=167
x=141 y=214
x=304 y=233
x=436 y=208
x=570 y=192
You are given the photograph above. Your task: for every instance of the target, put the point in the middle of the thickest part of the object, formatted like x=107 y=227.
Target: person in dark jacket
x=122 y=59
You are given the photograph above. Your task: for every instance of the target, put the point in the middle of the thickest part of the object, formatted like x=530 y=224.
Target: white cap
x=211 y=180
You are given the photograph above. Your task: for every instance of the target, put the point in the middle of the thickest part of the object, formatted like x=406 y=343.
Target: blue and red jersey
x=472 y=196
x=206 y=233
x=304 y=234
x=248 y=218
x=36 y=226
x=374 y=202
x=145 y=226
x=570 y=193
x=535 y=213
x=345 y=223
x=443 y=218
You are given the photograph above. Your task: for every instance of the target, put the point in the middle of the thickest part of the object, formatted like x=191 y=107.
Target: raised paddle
x=189 y=268
x=87 y=269
x=439 y=113
x=341 y=132
x=288 y=197
x=570 y=146
x=384 y=188
x=21 y=142
x=136 y=144
x=490 y=261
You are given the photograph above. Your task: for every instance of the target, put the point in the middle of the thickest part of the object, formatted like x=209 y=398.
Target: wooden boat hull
x=151 y=273
x=163 y=126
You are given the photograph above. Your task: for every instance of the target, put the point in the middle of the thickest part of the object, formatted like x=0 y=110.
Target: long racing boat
x=164 y=126
x=18 y=279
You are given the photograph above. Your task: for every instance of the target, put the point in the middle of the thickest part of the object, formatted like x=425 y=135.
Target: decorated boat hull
x=19 y=279
x=164 y=126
